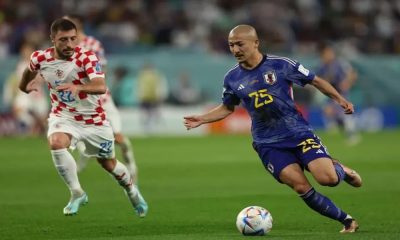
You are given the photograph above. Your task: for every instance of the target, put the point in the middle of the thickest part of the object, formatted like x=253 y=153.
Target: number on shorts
x=105 y=148
x=308 y=144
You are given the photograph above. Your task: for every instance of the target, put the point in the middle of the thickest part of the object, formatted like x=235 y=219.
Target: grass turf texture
x=195 y=187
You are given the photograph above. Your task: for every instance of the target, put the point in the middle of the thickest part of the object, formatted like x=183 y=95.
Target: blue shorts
x=276 y=156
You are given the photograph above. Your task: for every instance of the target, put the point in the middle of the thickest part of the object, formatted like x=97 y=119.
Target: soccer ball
x=254 y=221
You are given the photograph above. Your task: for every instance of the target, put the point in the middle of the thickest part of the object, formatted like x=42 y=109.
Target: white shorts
x=99 y=140
x=112 y=115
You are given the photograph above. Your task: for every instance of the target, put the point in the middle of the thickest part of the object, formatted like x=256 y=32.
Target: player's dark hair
x=61 y=24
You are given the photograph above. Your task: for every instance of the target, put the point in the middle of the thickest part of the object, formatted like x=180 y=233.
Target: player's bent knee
x=59 y=141
x=119 y=138
x=328 y=180
x=56 y=144
x=107 y=164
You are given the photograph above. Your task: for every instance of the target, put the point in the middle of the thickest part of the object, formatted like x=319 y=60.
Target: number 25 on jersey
x=261 y=98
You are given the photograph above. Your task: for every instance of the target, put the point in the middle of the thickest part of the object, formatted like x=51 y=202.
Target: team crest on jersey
x=270 y=77
x=59 y=73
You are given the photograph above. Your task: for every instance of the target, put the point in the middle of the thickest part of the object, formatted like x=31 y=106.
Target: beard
x=62 y=53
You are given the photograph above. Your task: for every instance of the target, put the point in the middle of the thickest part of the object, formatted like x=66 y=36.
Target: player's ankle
x=75 y=193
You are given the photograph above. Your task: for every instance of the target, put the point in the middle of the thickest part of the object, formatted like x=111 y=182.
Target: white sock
x=127 y=153
x=81 y=147
x=124 y=178
x=83 y=158
x=348 y=217
x=66 y=168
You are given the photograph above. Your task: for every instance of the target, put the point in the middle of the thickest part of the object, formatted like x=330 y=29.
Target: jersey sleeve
x=228 y=96
x=96 y=47
x=36 y=58
x=92 y=65
x=299 y=75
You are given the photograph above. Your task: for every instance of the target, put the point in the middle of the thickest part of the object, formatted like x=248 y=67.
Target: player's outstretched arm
x=27 y=77
x=327 y=89
x=95 y=86
x=216 y=114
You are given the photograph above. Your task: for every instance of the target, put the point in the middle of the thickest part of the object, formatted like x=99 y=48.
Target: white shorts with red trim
x=99 y=140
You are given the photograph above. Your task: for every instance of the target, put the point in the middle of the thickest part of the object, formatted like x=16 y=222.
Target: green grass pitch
x=195 y=186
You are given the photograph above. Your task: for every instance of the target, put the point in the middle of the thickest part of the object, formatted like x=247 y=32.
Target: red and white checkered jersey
x=80 y=68
x=92 y=44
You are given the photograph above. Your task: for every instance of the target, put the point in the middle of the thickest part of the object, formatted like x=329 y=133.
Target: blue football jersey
x=266 y=93
x=334 y=73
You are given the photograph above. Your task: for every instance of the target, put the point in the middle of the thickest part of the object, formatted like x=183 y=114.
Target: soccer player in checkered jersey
x=75 y=83
x=283 y=139
x=113 y=116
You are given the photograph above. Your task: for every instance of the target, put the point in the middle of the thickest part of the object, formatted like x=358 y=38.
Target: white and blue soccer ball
x=254 y=221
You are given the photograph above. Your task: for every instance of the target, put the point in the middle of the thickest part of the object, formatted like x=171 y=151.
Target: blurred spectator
x=5 y=32
x=10 y=90
x=342 y=76
x=30 y=110
x=152 y=91
x=287 y=26
x=183 y=92
x=122 y=87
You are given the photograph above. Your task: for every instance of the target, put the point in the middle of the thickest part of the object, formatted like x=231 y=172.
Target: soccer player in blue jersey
x=284 y=141
x=341 y=76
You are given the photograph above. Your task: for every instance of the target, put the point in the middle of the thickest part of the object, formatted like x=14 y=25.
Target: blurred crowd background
x=184 y=42
x=367 y=26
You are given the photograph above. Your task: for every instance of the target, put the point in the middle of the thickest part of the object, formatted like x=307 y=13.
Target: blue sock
x=339 y=171
x=323 y=205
